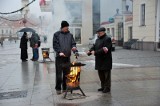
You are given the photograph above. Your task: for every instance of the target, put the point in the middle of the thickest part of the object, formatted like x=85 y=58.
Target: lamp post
x=41 y=17
x=2 y=38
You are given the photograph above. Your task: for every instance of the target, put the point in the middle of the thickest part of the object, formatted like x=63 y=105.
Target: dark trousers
x=24 y=54
x=105 y=78
x=61 y=72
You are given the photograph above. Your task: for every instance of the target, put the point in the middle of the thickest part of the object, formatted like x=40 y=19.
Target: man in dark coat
x=24 y=47
x=34 y=40
x=103 y=59
x=63 y=44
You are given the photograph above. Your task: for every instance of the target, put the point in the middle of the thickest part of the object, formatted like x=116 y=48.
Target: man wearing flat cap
x=103 y=59
x=63 y=44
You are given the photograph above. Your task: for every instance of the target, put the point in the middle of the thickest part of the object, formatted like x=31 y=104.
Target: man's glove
x=89 y=53
x=76 y=54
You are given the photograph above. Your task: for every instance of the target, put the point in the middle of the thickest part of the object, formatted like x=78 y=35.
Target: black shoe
x=24 y=60
x=58 y=92
x=106 y=90
x=34 y=59
x=100 y=89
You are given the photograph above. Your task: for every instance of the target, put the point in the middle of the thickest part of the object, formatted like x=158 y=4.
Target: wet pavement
x=135 y=80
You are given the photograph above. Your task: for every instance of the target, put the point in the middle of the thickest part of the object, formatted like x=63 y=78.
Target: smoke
x=70 y=11
x=59 y=13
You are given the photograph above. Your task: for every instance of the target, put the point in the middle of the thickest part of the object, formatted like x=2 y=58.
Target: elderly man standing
x=63 y=44
x=103 y=59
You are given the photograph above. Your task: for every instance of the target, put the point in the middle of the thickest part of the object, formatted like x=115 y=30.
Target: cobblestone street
x=135 y=80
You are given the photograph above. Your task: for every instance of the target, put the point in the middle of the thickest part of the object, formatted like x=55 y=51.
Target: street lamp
x=41 y=17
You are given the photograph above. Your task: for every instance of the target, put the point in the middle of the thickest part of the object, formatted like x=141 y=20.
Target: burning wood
x=73 y=78
x=45 y=54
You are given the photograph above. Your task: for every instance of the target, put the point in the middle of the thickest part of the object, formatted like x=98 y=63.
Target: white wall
x=87 y=21
x=147 y=31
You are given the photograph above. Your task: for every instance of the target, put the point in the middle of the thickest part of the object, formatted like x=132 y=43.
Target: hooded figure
x=24 y=47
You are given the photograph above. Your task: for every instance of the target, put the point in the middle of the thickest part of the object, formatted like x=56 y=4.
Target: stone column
x=87 y=21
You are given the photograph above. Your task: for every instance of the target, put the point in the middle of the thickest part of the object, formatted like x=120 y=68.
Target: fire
x=73 y=76
x=45 y=54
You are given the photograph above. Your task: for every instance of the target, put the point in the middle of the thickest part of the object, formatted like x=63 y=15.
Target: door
x=129 y=33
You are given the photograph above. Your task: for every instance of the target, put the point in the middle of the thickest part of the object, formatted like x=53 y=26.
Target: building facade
x=81 y=12
x=143 y=25
x=146 y=20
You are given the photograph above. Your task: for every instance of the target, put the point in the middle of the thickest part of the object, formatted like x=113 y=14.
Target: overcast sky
x=108 y=7
x=10 y=5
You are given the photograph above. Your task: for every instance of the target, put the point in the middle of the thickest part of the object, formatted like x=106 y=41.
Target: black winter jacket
x=63 y=42
x=23 y=42
x=103 y=61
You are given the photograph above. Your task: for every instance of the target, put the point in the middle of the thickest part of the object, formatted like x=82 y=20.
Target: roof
x=16 y=24
x=104 y=23
x=129 y=18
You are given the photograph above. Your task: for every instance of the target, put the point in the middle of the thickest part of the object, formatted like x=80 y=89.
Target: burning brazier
x=45 y=54
x=73 y=77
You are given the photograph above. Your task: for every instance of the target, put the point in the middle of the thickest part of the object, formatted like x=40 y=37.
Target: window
x=108 y=30
x=78 y=35
x=10 y=32
x=6 y=31
x=142 y=15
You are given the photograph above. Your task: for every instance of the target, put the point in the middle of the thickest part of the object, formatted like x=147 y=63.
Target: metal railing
x=130 y=44
x=142 y=41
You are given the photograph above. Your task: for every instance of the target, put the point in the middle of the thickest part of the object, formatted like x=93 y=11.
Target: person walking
x=24 y=47
x=35 y=44
x=63 y=44
x=103 y=59
x=1 y=41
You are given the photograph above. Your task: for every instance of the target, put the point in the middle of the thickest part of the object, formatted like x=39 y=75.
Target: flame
x=45 y=54
x=73 y=76
x=73 y=63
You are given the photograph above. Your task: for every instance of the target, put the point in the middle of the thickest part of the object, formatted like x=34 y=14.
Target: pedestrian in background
x=103 y=59
x=63 y=44
x=24 y=47
x=35 y=44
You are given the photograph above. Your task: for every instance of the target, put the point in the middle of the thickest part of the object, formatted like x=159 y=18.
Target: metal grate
x=13 y=94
